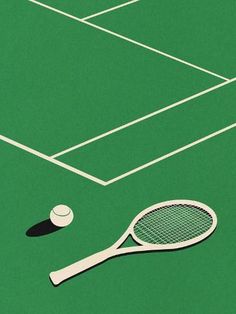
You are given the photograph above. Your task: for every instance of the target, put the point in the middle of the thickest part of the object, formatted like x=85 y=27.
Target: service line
x=175 y=152
x=148 y=116
x=124 y=175
x=109 y=10
x=50 y=159
x=128 y=39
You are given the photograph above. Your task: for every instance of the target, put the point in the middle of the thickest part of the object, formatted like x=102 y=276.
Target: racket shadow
x=42 y=228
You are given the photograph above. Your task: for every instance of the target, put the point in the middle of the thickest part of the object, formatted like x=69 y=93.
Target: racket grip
x=78 y=267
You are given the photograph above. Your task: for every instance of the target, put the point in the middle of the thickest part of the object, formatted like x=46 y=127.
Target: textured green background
x=63 y=82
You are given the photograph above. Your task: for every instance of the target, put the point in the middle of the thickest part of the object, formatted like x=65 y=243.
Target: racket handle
x=78 y=267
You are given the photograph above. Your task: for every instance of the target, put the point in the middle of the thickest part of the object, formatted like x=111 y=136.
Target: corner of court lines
x=124 y=175
x=141 y=119
x=127 y=39
x=52 y=160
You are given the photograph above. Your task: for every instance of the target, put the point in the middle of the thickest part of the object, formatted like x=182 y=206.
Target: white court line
x=124 y=175
x=92 y=178
x=109 y=10
x=128 y=39
x=177 y=151
x=54 y=161
x=124 y=126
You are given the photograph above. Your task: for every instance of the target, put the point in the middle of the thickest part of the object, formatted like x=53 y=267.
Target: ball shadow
x=42 y=228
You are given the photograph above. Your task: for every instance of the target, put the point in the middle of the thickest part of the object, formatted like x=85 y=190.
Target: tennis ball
x=61 y=215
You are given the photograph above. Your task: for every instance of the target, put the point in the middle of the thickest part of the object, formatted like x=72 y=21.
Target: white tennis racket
x=165 y=226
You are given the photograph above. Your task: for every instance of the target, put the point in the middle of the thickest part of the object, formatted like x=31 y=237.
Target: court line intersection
x=109 y=10
x=52 y=160
x=148 y=116
x=128 y=39
x=124 y=175
x=90 y=177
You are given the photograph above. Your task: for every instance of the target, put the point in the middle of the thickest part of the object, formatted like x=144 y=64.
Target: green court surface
x=202 y=32
x=110 y=115
x=157 y=136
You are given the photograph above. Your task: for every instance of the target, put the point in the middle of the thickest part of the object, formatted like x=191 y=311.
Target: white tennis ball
x=61 y=215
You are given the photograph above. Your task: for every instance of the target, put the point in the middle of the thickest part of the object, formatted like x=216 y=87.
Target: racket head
x=173 y=225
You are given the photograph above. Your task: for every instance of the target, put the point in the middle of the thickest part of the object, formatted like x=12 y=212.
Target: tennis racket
x=165 y=226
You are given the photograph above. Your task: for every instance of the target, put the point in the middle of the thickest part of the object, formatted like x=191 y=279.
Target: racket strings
x=163 y=238
x=149 y=234
x=168 y=223
x=152 y=222
x=171 y=224
x=174 y=229
x=179 y=226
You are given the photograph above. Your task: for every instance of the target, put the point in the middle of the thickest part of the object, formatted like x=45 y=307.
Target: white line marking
x=177 y=151
x=150 y=115
x=90 y=177
x=124 y=175
x=109 y=10
x=54 y=161
x=128 y=39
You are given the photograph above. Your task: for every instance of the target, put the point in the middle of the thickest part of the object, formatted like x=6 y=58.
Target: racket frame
x=177 y=245
x=115 y=250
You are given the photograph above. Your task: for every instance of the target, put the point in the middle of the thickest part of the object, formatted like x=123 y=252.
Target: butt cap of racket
x=55 y=279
